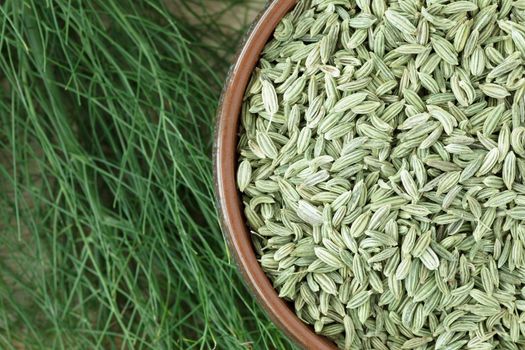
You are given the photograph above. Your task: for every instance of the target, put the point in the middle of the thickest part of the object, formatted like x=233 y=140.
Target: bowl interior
x=230 y=207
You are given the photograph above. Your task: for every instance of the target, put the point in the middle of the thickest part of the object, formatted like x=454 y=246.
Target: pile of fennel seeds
x=381 y=165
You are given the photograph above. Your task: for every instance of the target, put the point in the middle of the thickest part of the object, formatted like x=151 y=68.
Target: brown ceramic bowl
x=229 y=203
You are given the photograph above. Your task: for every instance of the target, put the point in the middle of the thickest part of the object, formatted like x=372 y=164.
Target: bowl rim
x=228 y=201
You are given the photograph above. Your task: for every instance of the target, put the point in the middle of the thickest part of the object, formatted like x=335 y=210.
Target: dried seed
x=446 y=119
x=244 y=175
x=349 y=102
x=309 y=214
x=494 y=90
x=397 y=20
x=359 y=299
x=444 y=49
x=379 y=124
x=269 y=97
x=490 y=160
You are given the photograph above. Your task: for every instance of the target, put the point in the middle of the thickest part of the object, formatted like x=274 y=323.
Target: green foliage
x=109 y=236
